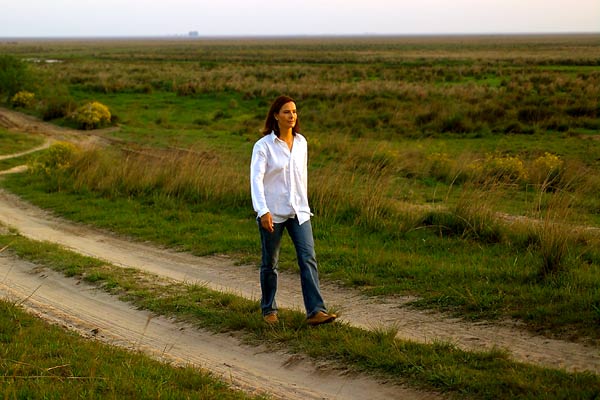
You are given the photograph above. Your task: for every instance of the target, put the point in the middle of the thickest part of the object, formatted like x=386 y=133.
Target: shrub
x=506 y=169
x=57 y=159
x=425 y=118
x=441 y=166
x=534 y=114
x=220 y=114
x=92 y=115
x=546 y=169
x=14 y=75
x=456 y=123
x=583 y=110
x=23 y=99
x=57 y=107
x=55 y=165
x=554 y=235
x=188 y=88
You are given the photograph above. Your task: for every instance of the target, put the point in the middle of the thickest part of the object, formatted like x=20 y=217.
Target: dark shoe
x=321 y=318
x=271 y=318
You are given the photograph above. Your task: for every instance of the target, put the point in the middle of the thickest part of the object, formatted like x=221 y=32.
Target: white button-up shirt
x=278 y=178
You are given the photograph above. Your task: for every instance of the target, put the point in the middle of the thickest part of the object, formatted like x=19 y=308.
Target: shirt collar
x=274 y=137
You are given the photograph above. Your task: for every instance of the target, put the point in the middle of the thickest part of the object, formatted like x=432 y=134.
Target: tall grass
x=380 y=88
x=555 y=235
x=359 y=190
x=190 y=175
x=555 y=240
x=355 y=189
x=475 y=213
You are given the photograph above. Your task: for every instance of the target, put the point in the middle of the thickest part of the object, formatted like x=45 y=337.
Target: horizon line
x=292 y=36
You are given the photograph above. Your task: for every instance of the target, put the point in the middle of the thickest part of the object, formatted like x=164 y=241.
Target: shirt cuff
x=262 y=212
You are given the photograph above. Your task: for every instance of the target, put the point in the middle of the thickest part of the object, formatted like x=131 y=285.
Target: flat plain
x=457 y=173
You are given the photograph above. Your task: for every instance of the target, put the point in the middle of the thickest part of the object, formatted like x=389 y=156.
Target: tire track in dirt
x=220 y=273
x=256 y=370
x=44 y=146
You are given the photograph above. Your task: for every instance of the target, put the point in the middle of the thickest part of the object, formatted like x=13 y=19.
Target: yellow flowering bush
x=22 y=99
x=441 y=165
x=507 y=169
x=56 y=160
x=546 y=168
x=92 y=115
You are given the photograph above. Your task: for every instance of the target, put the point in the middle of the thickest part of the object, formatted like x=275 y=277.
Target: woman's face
x=287 y=115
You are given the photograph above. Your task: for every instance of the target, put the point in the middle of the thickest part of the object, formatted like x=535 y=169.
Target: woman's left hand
x=266 y=221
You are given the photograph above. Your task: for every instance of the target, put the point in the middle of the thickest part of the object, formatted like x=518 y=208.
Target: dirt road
x=98 y=315
x=220 y=273
x=23 y=123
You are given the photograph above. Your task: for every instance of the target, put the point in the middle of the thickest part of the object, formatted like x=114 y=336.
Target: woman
x=278 y=176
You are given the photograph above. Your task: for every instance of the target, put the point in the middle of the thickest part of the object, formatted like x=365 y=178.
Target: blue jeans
x=302 y=237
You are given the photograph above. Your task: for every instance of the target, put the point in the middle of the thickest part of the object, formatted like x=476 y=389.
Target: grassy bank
x=441 y=367
x=13 y=142
x=38 y=360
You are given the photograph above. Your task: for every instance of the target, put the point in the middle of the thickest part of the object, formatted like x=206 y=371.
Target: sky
x=110 y=18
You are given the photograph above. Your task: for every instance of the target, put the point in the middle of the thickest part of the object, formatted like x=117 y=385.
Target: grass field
x=416 y=145
x=11 y=143
x=39 y=360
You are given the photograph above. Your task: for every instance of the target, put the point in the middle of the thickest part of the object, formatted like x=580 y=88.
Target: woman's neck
x=288 y=137
x=285 y=134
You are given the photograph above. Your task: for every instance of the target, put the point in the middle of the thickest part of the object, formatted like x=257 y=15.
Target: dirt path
x=220 y=273
x=46 y=144
x=95 y=314
x=19 y=122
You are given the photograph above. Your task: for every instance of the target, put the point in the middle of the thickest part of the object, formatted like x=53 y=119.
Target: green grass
x=15 y=161
x=382 y=88
x=164 y=119
x=447 y=272
x=39 y=360
x=13 y=142
x=440 y=366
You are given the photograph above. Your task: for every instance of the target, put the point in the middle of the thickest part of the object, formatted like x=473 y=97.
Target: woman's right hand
x=266 y=221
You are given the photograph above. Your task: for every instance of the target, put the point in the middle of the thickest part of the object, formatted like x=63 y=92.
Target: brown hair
x=271 y=122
